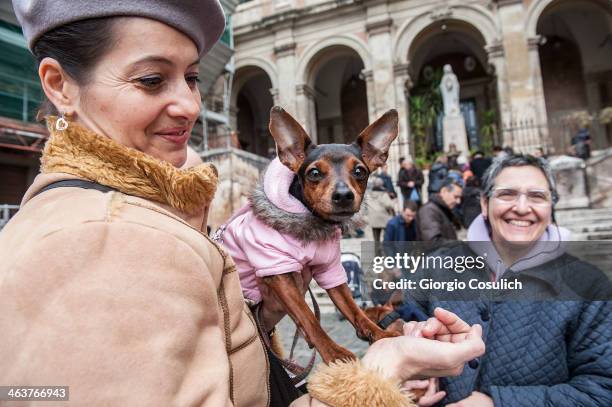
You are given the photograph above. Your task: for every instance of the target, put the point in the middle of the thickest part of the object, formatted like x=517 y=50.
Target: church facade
x=531 y=72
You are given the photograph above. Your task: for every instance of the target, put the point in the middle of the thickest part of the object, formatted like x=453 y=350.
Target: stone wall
x=599 y=172
x=239 y=172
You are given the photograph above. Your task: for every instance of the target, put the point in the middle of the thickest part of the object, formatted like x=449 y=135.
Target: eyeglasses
x=536 y=197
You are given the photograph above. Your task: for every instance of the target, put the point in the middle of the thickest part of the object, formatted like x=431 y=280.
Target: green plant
x=425 y=105
x=488 y=131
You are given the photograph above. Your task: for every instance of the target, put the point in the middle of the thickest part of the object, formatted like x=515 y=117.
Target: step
x=583 y=214
x=590 y=228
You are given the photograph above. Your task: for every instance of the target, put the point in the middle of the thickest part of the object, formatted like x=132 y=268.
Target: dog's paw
x=336 y=353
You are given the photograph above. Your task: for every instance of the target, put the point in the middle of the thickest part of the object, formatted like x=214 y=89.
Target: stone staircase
x=587 y=224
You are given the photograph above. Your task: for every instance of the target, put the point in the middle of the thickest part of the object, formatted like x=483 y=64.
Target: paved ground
x=340 y=331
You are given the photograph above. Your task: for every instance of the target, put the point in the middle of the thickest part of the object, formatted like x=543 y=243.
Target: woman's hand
x=445 y=326
x=410 y=357
x=476 y=399
x=431 y=395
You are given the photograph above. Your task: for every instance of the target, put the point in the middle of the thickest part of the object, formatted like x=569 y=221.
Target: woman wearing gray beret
x=108 y=283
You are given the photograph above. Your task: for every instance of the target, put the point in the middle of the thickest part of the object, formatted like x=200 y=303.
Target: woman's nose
x=522 y=205
x=186 y=103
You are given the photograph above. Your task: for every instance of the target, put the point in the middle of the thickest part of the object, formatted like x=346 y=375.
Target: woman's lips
x=176 y=136
x=519 y=224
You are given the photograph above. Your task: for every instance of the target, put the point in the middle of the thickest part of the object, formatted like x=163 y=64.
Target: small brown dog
x=328 y=181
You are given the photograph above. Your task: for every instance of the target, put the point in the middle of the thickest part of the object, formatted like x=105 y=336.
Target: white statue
x=449 y=87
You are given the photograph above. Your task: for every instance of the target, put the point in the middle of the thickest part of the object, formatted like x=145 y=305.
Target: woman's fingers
x=430 y=400
x=415 y=384
x=451 y=321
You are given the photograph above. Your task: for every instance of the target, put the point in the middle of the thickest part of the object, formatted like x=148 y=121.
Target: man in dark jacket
x=402 y=227
x=479 y=164
x=437 y=174
x=435 y=220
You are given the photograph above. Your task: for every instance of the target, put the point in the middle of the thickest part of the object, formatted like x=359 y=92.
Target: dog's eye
x=360 y=173
x=314 y=174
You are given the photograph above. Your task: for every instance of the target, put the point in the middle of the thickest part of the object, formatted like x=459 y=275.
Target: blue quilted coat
x=539 y=353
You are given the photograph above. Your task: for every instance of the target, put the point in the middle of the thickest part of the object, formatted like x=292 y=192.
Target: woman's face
x=523 y=219
x=143 y=93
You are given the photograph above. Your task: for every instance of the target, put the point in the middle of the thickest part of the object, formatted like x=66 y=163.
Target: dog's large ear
x=291 y=139
x=376 y=139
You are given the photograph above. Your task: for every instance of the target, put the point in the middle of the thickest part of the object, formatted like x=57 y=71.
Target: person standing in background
x=437 y=174
x=410 y=181
x=435 y=220
x=379 y=207
x=383 y=174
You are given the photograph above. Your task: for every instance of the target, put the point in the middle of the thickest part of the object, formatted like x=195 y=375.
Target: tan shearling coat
x=122 y=297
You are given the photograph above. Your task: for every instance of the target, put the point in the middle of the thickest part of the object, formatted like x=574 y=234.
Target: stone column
x=368 y=77
x=495 y=56
x=306 y=111
x=538 y=89
x=403 y=84
x=524 y=88
x=378 y=26
x=284 y=51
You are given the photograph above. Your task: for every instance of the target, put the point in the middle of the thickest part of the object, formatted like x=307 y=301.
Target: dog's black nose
x=343 y=196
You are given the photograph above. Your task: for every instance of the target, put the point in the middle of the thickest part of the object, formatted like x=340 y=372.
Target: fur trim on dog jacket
x=267 y=237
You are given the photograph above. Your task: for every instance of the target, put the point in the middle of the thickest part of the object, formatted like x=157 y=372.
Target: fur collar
x=80 y=152
x=306 y=227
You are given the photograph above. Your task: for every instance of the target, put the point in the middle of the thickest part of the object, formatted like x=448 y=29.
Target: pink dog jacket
x=259 y=250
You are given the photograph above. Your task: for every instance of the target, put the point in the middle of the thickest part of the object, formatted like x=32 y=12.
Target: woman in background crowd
x=549 y=343
x=379 y=207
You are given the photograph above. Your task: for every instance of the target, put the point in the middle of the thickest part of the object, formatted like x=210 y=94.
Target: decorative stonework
x=379 y=27
x=503 y=3
x=495 y=50
x=285 y=50
x=441 y=14
x=534 y=42
x=305 y=90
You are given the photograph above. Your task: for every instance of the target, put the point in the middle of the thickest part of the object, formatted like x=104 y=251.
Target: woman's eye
x=150 y=82
x=192 y=80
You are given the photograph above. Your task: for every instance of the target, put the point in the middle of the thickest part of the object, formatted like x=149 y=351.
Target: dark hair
x=77 y=47
x=450 y=184
x=472 y=181
x=408 y=204
x=519 y=160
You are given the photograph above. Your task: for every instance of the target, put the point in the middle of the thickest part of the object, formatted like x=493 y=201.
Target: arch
x=476 y=16
x=310 y=58
x=245 y=69
x=260 y=63
x=537 y=8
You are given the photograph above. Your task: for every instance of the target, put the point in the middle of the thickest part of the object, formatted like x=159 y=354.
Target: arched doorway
x=340 y=98
x=462 y=46
x=251 y=106
x=575 y=48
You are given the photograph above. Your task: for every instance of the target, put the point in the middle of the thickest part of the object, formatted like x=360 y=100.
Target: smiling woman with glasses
x=547 y=343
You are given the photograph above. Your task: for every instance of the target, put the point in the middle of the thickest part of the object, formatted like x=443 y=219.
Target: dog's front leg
x=286 y=291
x=365 y=327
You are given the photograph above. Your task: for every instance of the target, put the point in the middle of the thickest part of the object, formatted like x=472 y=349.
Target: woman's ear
x=484 y=207
x=61 y=90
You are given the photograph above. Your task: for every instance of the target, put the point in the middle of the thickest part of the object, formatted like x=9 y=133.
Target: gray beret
x=201 y=20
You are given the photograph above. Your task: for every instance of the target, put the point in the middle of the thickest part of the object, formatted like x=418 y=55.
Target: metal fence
x=523 y=135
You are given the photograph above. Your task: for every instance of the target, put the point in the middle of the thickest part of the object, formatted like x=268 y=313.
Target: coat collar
x=84 y=154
